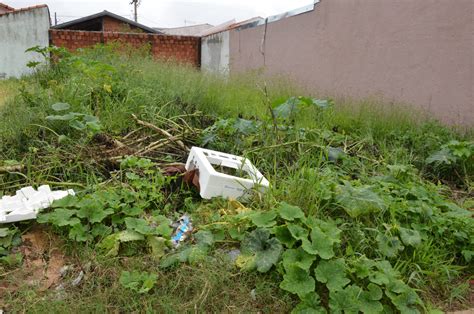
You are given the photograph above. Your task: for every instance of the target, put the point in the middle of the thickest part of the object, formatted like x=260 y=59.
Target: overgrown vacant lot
x=368 y=210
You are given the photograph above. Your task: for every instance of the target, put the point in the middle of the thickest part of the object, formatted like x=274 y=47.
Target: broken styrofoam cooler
x=27 y=202
x=215 y=182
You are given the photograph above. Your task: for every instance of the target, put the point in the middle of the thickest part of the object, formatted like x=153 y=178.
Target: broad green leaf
x=384 y=273
x=298 y=232
x=389 y=245
x=410 y=237
x=309 y=304
x=264 y=219
x=76 y=124
x=79 y=233
x=405 y=300
x=320 y=244
x=289 y=212
x=442 y=156
x=66 y=117
x=60 y=217
x=111 y=244
x=100 y=230
x=60 y=106
x=204 y=238
x=93 y=210
x=132 y=210
x=333 y=273
x=265 y=250
x=157 y=245
x=297 y=257
x=298 y=281
x=284 y=235
x=139 y=225
x=369 y=300
x=363 y=267
x=358 y=201
x=345 y=300
x=129 y=235
x=140 y=282
x=68 y=201
x=287 y=109
x=197 y=254
x=164 y=230
x=175 y=258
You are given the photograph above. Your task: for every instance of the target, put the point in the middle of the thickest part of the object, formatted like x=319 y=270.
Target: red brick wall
x=180 y=48
x=114 y=25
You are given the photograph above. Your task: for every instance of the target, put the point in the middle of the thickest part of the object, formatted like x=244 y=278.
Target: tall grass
x=385 y=148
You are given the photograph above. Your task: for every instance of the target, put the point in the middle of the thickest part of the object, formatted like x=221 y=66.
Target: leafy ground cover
x=368 y=211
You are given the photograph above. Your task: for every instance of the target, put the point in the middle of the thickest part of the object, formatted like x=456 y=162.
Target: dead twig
x=165 y=133
x=14 y=168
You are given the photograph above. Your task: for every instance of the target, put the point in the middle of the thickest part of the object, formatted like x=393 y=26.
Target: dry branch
x=165 y=133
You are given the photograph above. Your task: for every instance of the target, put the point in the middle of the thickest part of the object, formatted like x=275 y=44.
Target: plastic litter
x=233 y=254
x=184 y=228
x=27 y=202
x=78 y=279
x=214 y=183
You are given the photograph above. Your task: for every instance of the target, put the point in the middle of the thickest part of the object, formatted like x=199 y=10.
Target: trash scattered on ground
x=27 y=202
x=184 y=228
x=78 y=279
x=233 y=254
x=253 y=295
x=222 y=174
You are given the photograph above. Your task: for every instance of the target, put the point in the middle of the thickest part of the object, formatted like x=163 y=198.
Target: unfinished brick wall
x=114 y=25
x=179 y=48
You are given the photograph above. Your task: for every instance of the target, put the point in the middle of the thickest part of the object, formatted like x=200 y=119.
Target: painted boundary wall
x=215 y=53
x=415 y=52
x=20 y=30
x=179 y=48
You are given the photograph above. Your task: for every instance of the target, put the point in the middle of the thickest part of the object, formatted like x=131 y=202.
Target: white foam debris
x=27 y=202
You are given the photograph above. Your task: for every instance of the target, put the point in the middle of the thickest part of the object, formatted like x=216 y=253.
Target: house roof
x=193 y=30
x=229 y=25
x=105 y=13
x=6 y=7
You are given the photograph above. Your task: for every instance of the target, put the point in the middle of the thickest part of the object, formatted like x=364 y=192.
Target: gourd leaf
x=289 y=212
x=140 y=282
x=60 y=217
x=157 y=245
x=264 y=219
x=310 y=304
x=345 y=300
x=139 y=225
x=61 y=106
x=333 y=273
x=358 y=201
x=298 y=281
x=298 y=232
x=389 y=245
x=80 y=233
x=410 y=237
x=265 y=251
x=284 y=235
x=297 y=257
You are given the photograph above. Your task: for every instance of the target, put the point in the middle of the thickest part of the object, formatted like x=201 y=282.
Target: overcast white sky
x=167 y=13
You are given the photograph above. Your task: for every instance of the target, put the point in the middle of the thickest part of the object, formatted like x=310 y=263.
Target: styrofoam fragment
x=27 y=202
x=213 y=183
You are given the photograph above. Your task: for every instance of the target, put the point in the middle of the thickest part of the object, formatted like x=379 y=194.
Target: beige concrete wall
x=418 y=52
x=20 y=30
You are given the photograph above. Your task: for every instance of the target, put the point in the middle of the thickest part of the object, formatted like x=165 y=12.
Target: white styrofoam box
x=213 y=183
x=27 y=202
